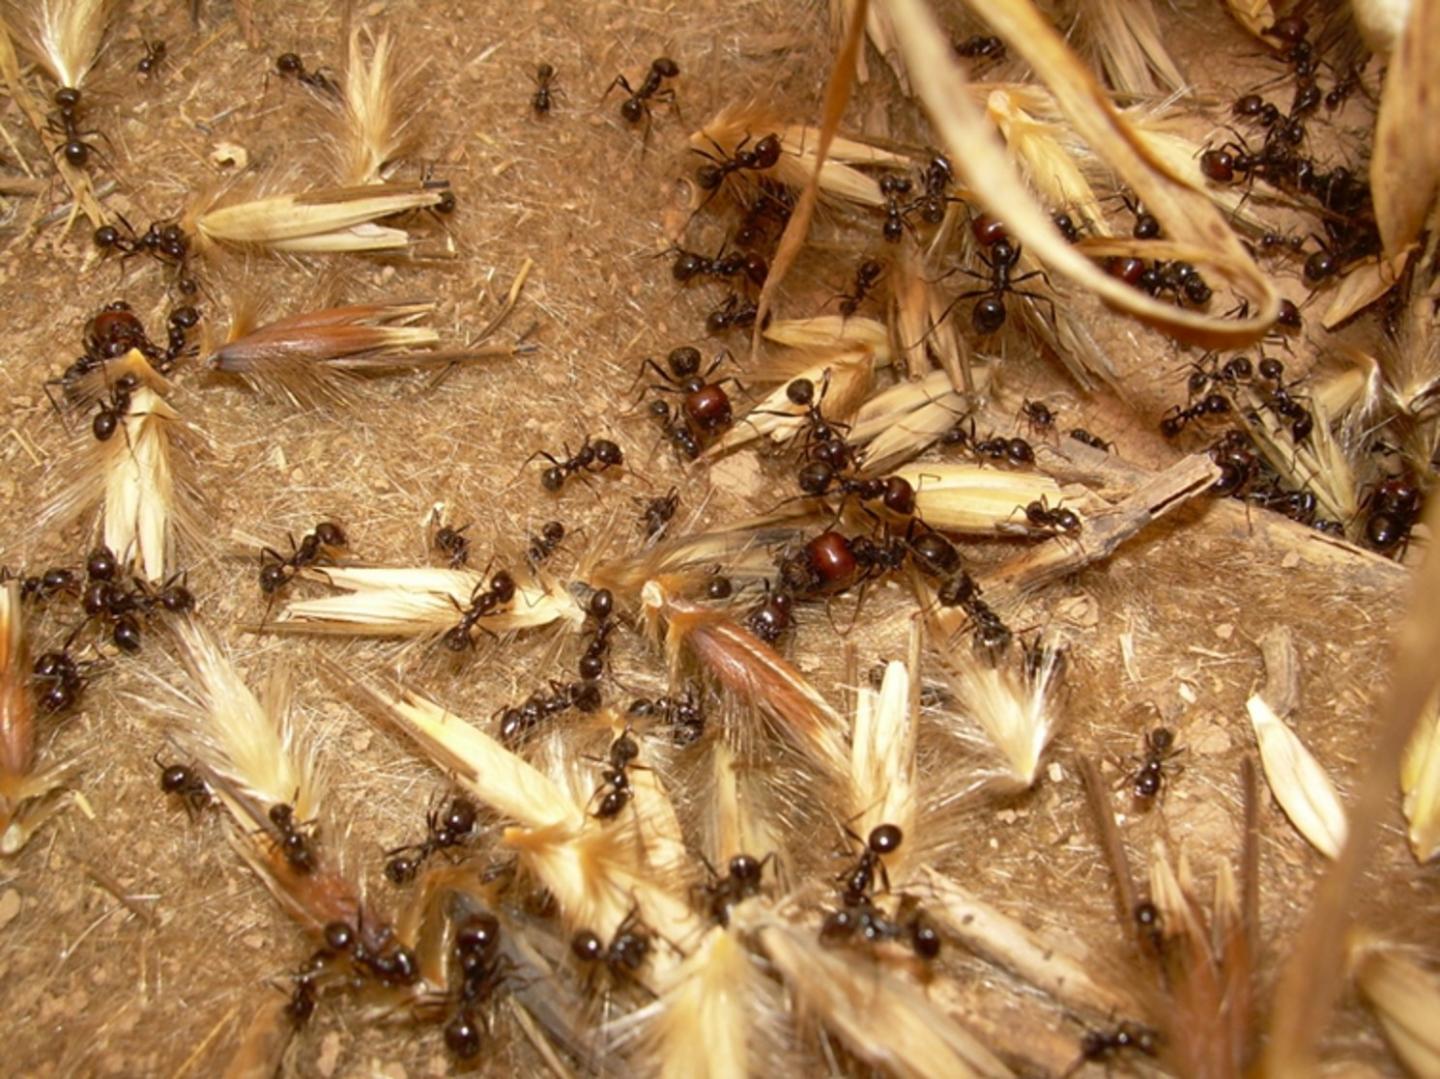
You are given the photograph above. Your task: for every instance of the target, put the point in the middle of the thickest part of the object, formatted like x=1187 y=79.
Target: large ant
x=760 y=157
x=637 y=106
x=64 y=122
x=317 y=547
x=545 y=91
x=614 y=791
x=289 y=65
x=449 y=830
x=866 y=275
x=628 y=950
x=483 y=601
x=989 y=314
x=593 y=456
x=295 y=844
x=1149 y=778
x=742 y=880
x=690 y=265
x=706 y=404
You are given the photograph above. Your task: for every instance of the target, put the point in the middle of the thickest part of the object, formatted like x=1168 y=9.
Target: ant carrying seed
x=593 y=456
x=552 y=533
x=442 y=832
x=545 y=90
x=636 y=107
x=1149 y=778
x=628 y=950
x=186 y=783
x=656 y=514
x=290 y=66
x=295 y=845
x=866 y=275
x=483 y=601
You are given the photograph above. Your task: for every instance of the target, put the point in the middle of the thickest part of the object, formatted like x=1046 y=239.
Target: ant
x=316 y=547
x=859 y=879
x=63 y=122
x=824 y=443
x=673 y=428
x=1098 y=1045
x=40 y=587
x=826 y=564
x=1016 y=452
x=1079 y=434
x=989 y=314
x=594 y=456
x=936 y=178
x=1180 y=279
x=167 y=244
x=657 y=513
x=991 y=637
x=294 y=843
x=706 y=404
x=154 y=54
x=289 y=65
x=742 y=881
x=112 y=411
x=482 y=602
x=449 y=830
x=623 y=752
x=734 y=312
x=685 y=714
x=691 y=264
x=484 y=969
x=1066 y=224
x=771 y=617
x=600 y=609
x=891 y=188
x=861 y=916
x=637 y=106
x=517 y=721
x=764 y=155
x=545 y=91
x=627 y=952
x=62 y=678
x=452 y=543
x=1056 y=520
x=182 y=780
x=1038 y=414
x=1239 y=465
x=773 y=204
x=543 y=545
x=866 y=275
x=1149 y=778
x=1176 y=419
x=895 y=493
x=1392 y=507
x=980 y=47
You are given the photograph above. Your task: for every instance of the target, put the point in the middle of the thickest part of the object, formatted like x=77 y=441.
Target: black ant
x=64 y=122
x=771 y=617
x=1147 y=225
x=41 y=586
x=289 y=65
x=859 y=880
x=1149 y=778
x=1066 y=224
x=690 y=265
x=1392 y=508
x=1079 y=434
x=675 y=429
x=442 y=832
x=1180 y=279
x=866 y=275
x=861 y=916
x=484 y=970
x=62 y=678
x=452 y=543
x=684 y=714
x=483 y=601
x=1239 y=465
x=742 y=880
x=657 y=513
x=552 y=533
x=895 y=493
x=636 y=107
x=154 y=54
x=891 y=189
x=1054 y=520
x=186 y=782
x=991 y=637
x=545 y=91
x=1038 y=415
x=773 y=204
x=112 y=411
x=628 y=950
x=593 y=456
x=824 y=442
x=517 y=721
x=764 y=155
x=600 y=609
x=1016 y=452
x=980 y=47
x=989 y=314
x=734 y=312
x=826 y=564
x=295 y=844
x=623 y=752
x=1098 y=1045
x=167 y=244
x=317 y=547
x=1176 y=419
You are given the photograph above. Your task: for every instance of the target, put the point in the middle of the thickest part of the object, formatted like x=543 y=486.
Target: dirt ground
x=135 y=941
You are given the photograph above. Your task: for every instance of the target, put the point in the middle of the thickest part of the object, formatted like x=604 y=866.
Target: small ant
x=637 y=106
x=182 y=780
x=1016 y=452
x=1066 y=224
x=111 y=412
x=690 y=265
x=62 y=680
x=627 y=952
x=552 y=533
x=294 y=843
x=685 y=714
x=601 y=610
x=980 y=47
x=1038 y=414
x=545 y=91
x=771 y=617
x=673 y=428
x=1149 y=778
x=936 y=178
x=517 y=721
x=483 y=601
x=290 y=65
x=859 y=880
x=1056 y=520
x=484 y=969
x=891 y=188
x=741 y=881
x=1180 y=279
x=316 y=547
x=593 y=456
x=623 y=752
x=1079 y=434
x=1098 y=1045
x=449 y=830
x=824 y=442
x=895 y=493
x=452 y=543
x=154 y=54
x=657 y=513
x=861 y=916
x=735 y=312
x=40 y=587
x=866 y=275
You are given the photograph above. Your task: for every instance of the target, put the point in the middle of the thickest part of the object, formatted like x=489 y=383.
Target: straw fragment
x=1301 y=786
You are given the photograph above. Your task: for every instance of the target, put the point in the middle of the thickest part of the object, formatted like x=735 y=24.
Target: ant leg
x=621 y=82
